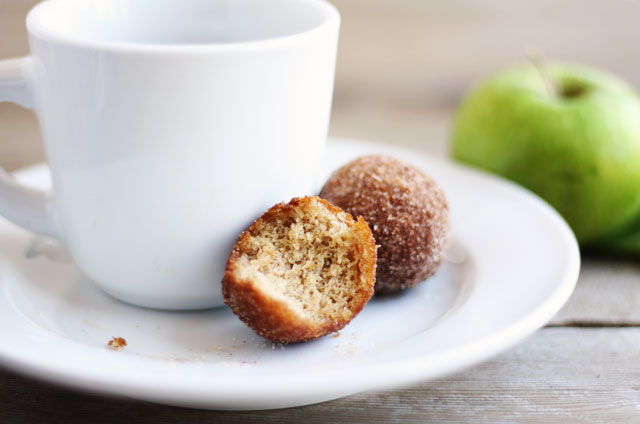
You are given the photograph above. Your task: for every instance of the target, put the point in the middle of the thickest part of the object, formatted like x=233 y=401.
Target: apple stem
x=549 y=82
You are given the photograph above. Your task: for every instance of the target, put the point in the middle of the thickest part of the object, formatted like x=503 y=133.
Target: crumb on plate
x=117 y=343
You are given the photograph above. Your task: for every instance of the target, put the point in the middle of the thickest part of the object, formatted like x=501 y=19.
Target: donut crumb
x=117 y=343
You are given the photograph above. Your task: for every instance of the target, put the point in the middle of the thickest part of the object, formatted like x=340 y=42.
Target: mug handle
x=23 y=205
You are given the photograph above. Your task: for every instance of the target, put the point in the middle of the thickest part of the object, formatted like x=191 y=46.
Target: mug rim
x=37 y=29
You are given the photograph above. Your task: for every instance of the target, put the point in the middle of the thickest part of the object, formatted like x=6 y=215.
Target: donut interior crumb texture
x=301 y=271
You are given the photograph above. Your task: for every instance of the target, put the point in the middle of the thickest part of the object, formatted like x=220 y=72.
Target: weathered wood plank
x=607 y=294
x=568 y=375
x=426 y=53
x=403 y=66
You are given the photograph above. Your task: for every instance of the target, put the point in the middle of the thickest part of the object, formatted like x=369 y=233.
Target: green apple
x=627 y=243
x=567 y=132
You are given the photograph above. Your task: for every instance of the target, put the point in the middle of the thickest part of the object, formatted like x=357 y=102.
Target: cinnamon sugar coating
x=406 y=210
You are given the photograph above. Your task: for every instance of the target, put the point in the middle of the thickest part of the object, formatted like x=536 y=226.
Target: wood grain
x=607 y=294
x=403 y=67
x=567 y=375
x=425 y=54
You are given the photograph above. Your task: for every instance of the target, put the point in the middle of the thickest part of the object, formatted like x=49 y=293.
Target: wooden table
x=403 y=66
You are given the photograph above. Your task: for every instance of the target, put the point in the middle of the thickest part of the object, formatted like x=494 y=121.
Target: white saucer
x=512 y=264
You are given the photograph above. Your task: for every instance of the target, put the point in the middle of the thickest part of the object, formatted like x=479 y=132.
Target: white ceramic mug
x=168 y=126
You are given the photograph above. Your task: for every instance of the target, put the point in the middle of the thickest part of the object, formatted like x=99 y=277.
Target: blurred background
x=404 y=65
